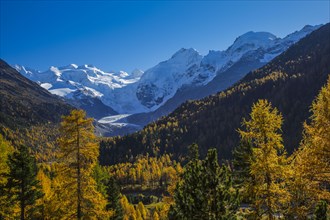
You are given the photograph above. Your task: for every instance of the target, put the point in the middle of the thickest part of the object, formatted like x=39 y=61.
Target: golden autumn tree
x=78 y=156
x=128 y=209
x=155 y=216
x=46 y=203
x=142 y=210
x=310 y=178
x=267 y=162
x=317 y=141
x=6 y=208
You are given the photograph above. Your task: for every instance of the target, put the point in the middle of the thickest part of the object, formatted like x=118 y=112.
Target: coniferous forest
x=258 y=150
x=262 y=180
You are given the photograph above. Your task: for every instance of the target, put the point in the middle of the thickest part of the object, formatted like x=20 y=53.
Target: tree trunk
x=269 y=202
x=22 y=210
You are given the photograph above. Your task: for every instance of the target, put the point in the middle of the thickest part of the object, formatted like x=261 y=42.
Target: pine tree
x=267 y=164
x=188 y=195
x=242 y=161
x=77 y=158
x=321 y=210
x=113 y=197
x=22 y=185
x=205 y=191
x=222 y=199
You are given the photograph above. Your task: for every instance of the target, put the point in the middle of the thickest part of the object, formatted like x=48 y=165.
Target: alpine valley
x=237 y=134
x=123 y=102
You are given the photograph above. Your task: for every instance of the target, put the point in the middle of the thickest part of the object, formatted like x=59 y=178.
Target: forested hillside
x=25 y=103
x=290 y=82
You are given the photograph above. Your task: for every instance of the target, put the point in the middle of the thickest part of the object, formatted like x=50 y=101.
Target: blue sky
x=123 y=35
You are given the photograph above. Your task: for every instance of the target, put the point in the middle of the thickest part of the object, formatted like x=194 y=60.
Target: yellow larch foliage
x=78 y=156
x=268 y=168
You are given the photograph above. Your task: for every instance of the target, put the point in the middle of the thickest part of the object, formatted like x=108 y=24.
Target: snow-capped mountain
x=83 y=83
x=161 y=82
x=186 y=75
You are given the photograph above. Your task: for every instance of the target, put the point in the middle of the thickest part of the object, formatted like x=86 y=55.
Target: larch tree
x=267 y=162
x=6 y=209
x=316 y=140
x=155 y=216
x=128 y=209
x=78 y=156
x=310 y=164
x=144 y=212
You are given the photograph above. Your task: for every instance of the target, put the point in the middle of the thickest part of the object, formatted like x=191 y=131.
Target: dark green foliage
x=101 y=177
x=223 y=200
x=189 y=196
x=193 y=152
x=145 y=199
x=113 y=197
x=290 y=82
x=242 y=158
x=321 y=210
x=205 y=191
x=22 y=186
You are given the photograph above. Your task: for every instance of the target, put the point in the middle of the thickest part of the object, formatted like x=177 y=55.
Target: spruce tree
x=22 y=185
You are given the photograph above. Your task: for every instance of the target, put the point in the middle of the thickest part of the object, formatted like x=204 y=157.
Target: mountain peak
x=70 y=66
x=309 y=27
x=295 y=36
x=137 y=73
x=252 y=40
x=185 y=52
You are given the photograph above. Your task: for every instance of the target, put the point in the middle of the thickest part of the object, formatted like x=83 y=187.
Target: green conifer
x=113 y=197
x=23 y=186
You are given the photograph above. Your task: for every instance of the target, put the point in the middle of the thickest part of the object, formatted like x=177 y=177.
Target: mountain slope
x=290 y=81
x=218 y=70
x=25 y=103
x=162 y=88
x=215 y=72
